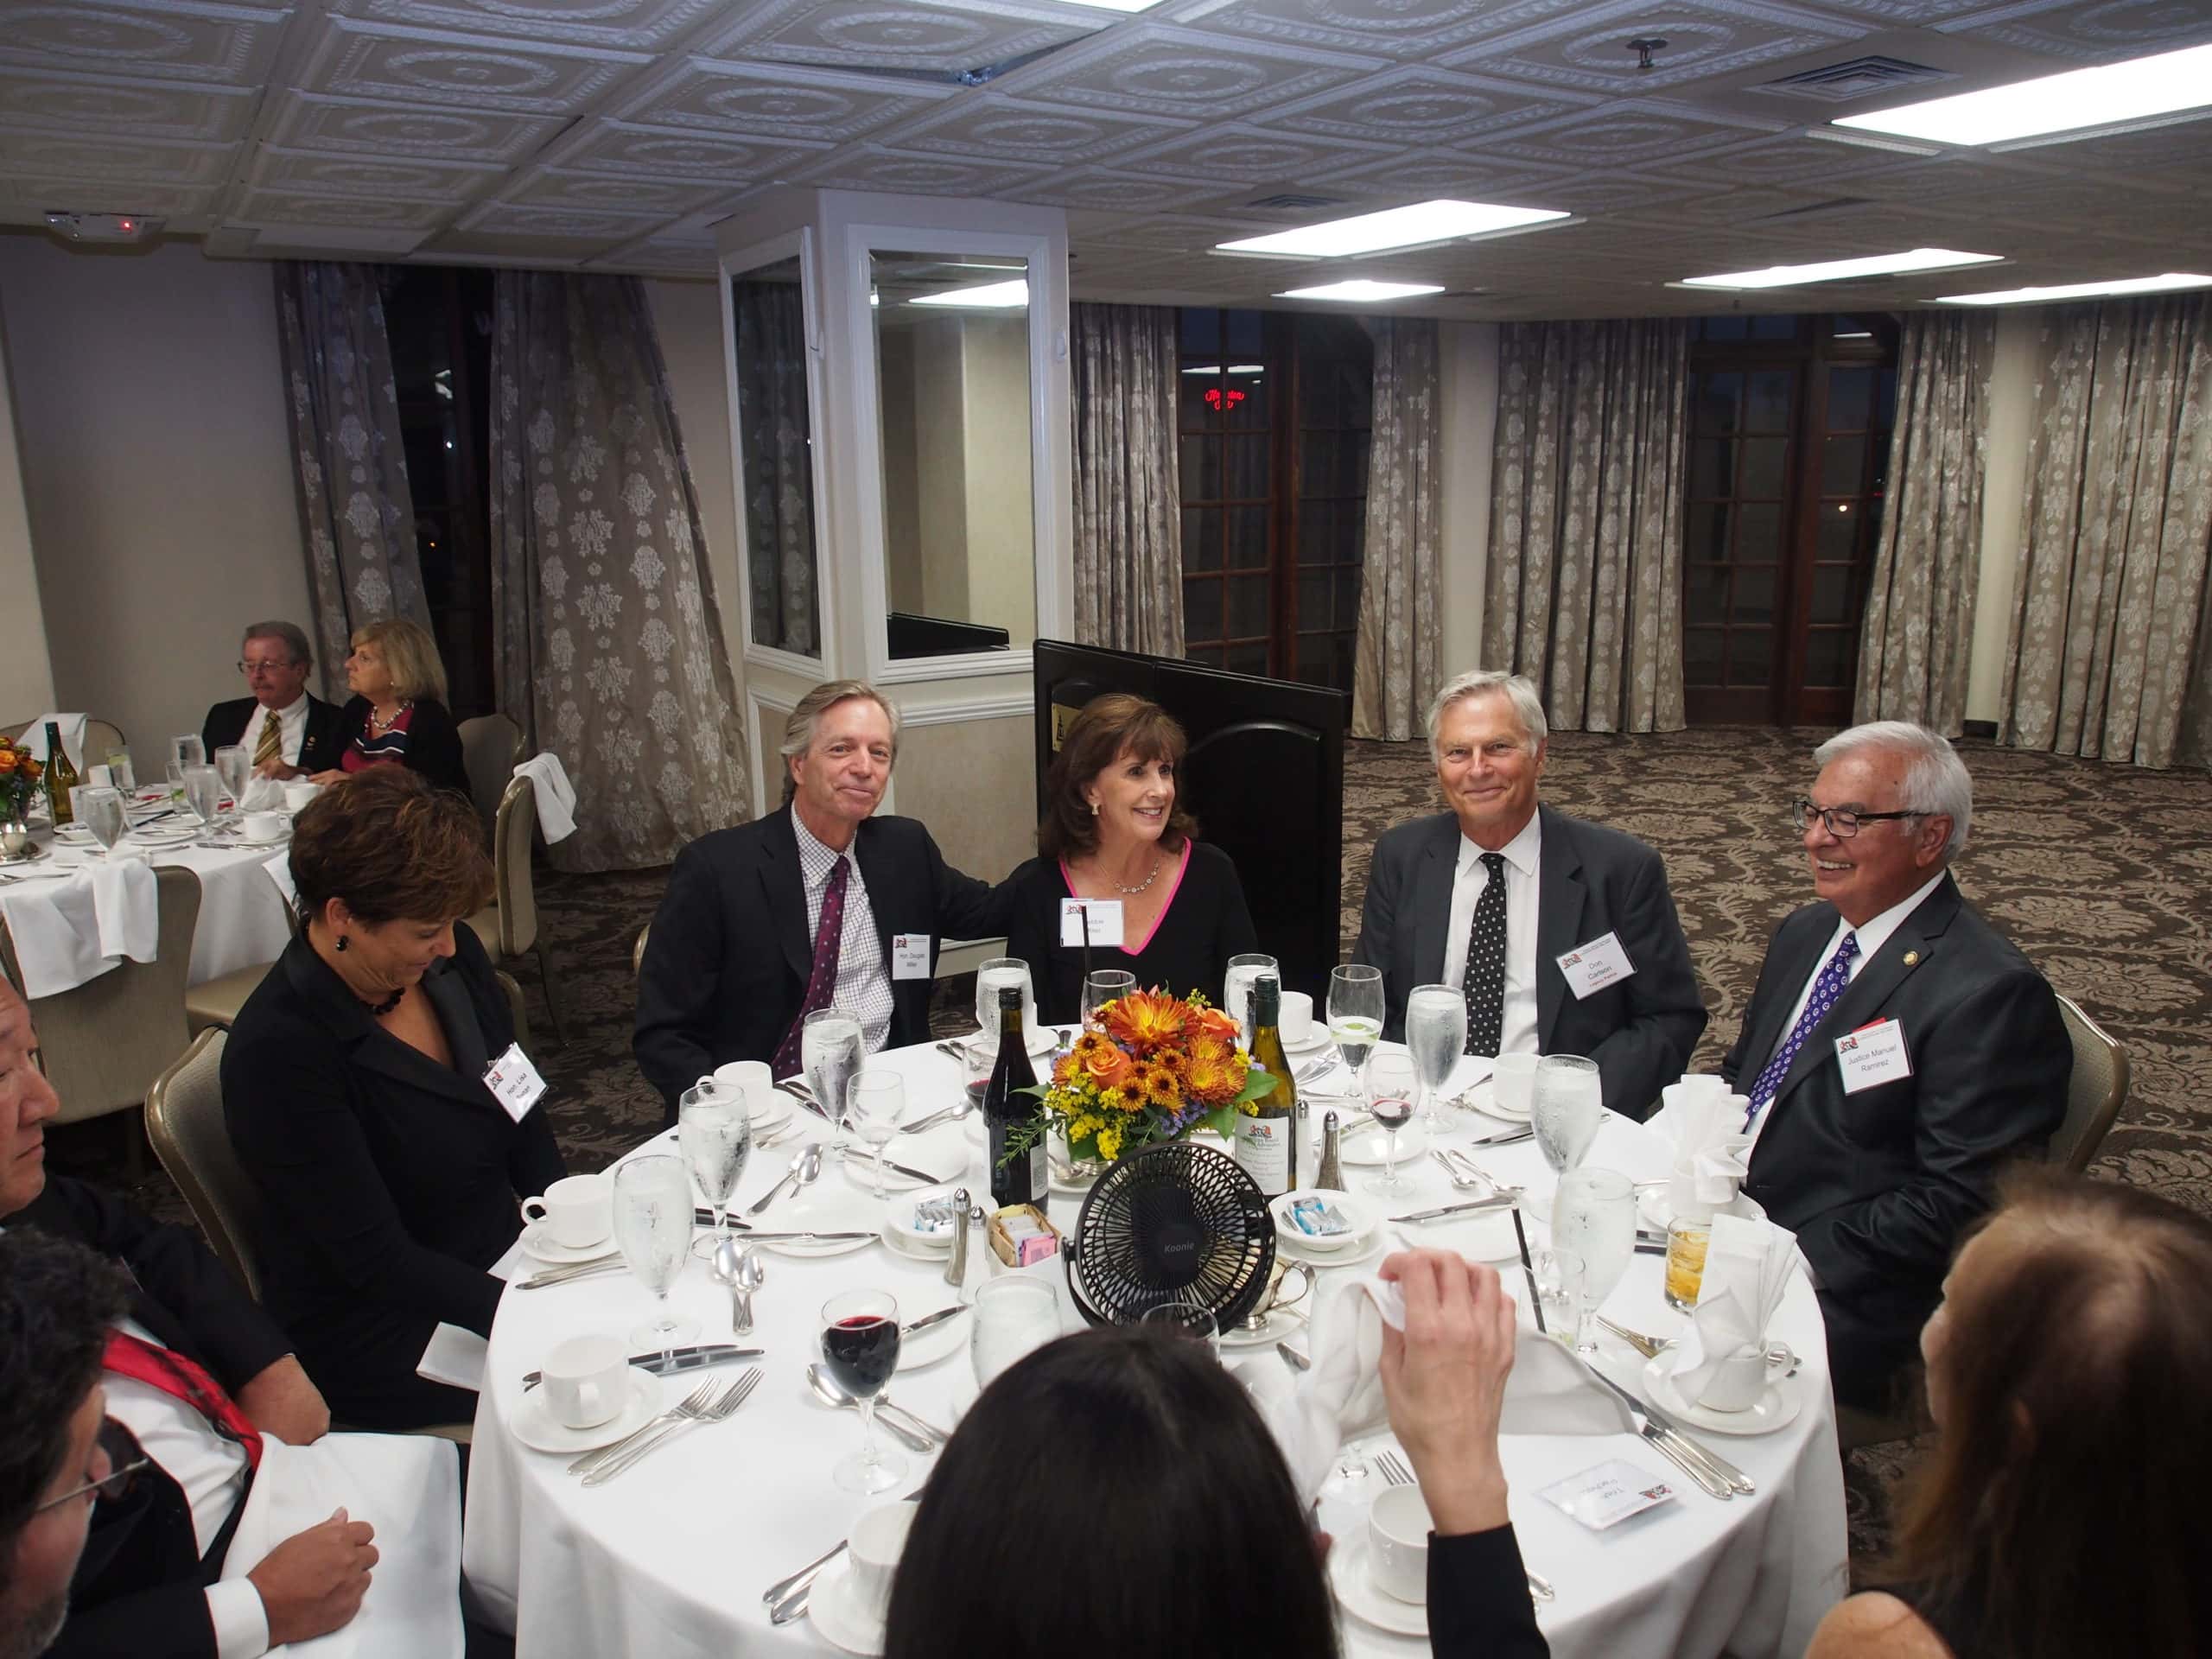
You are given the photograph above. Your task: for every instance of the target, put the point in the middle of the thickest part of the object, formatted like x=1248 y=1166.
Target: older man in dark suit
x=1562 y=934
x=820 y=904
x=1897 y=1051
x=286 y=729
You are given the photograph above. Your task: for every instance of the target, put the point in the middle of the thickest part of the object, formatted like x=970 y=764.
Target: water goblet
x=1244 y=971
x=1566 y=1107
x=830 y=1049
x=652 y=1229
x=1355 y=1009
x=99 y=809
x=1436 y=1035
x=860 y=1350
x=875 y=1105
x=203 y=794
x=189 y=750
x=234 y=766
x=998 y=971
x=1391 y=1085
x=1593 y=1215
x=713 y=1128
x=1194 y=1321
x=1011 y=1317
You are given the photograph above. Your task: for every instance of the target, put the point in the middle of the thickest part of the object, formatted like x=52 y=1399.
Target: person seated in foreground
x=397 y=713
x=821 y=904
x=1113 y=831
x=355 y=1087
x=203 y=1385
x=1174 y=1522
x=1489 y=897
x=1898 y=1051
x=2068 y=1366
x=285 y=729
x=57 y=1301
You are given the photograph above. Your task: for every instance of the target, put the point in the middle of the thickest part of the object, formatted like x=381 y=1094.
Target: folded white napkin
x=1341 y=1398
x=280 y=872
x=557 y=796
x=263 y=795
x=72 y=738
x=67 y=932
x=1747 y=1269
x=1698 y=1113
x=454 y=1356
x=1716 y=1174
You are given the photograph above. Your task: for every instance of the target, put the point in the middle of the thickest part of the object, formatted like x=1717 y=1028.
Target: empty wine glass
x=1244 y=971
x=203 y=794
x=713 y=1127
x=652 y=1228
x=1436 y=1035
x=1011 y=1317
x=1593 y=1215
x=99 y=809
x=1391 y=1085
x=830 y=1049
x=875 y=1105
x=1567 y=1106
x=234 y=766
x=860 y=1350
x=1355 y=1009
x=1193 y=1320
x=1558 y=1275
x=1102 y=986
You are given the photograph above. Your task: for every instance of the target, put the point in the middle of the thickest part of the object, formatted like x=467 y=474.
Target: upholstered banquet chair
x=507 y=927
x=102 y=739
x=2096 y=1091
x=491 y=749
x=184 y=1120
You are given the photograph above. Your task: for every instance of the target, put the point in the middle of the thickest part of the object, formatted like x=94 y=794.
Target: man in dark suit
x=1560 y=934
x=1897 y=1051
x=820 y=904
x=287 y=729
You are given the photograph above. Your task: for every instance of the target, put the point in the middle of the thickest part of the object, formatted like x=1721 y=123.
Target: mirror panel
x=952 y=377
x=776 y=445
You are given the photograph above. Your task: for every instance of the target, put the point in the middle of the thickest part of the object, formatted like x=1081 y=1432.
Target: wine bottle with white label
x=1267 y=1129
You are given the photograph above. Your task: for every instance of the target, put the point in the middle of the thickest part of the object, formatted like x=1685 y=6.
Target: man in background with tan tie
x=289 y=731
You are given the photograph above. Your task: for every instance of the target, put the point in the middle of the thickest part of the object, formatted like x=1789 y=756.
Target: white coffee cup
x=879 y=1540
x=298 y=792
x=264 y=826
x=1738 y=1381
x=1295 y=1022
x=100 y=777
x=574 y=1210
x=1513 y=1083
x=586 y=1381
x=1397 y=1544
x=751 y=1079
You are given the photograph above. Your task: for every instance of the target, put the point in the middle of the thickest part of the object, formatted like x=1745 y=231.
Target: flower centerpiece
x=20 y=772
x=1154 y=1068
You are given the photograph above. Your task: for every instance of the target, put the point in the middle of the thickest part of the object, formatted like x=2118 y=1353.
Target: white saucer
x=1655 y=1208
x=1316 y=1041
x=537 y=1428
x=162 y=837
x=1357 y=1593
x=1367 y=1249
x=1482 y=1099
x=940 y=1342
x=1361 y=1210
x=541 y=1246
x=1280 y=1323
x=834 y=1610
x=899 y=1245
x=1367 y=1148
x=74 y=834
x=277 y=840
x=1777 y=1405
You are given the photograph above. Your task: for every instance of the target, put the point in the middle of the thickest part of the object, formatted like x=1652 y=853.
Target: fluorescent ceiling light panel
x=985 y=296
x=1836 y=270
x=2080 y=98
x=1441 y=220
x=2165 y=284
x=1359 y=290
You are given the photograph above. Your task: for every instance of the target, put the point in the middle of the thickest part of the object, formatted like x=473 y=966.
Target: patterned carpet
x=2101 y=873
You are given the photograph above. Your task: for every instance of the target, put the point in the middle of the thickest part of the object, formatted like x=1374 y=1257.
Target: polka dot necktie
x=1484 y=984
x=1825 y=990
x=821 y=983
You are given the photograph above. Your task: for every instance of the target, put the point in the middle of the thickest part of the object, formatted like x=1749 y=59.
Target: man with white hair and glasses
x=1896 y=1052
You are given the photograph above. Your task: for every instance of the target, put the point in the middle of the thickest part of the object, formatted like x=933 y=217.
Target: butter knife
x=849 y=1153
x=929 y=1319
x=1505 y=1140
x=1667 y=1443
x=809 y=1237
x=566 y=1274
x=696 y=1358
x=1719 y=1466
x=1504 y=1198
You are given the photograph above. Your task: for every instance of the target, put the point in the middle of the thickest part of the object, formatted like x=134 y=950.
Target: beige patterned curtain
x=1400 y=642
x=1918 y=633
x=2109 y=654
x=610 y=644
x=1584 y=592
x=349 y=462
x=1129 y=555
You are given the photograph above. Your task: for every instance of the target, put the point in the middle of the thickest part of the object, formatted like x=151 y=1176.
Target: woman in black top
x=1112 y=831
x=397 y=714
x=353 y=1084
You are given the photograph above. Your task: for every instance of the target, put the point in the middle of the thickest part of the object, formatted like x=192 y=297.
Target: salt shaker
x=956 y=1270
x=1332 y=1172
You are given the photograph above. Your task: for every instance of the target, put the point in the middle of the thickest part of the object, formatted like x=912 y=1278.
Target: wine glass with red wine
x=859 y=1349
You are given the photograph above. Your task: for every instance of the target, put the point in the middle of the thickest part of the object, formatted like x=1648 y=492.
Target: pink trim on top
x=1166 y=903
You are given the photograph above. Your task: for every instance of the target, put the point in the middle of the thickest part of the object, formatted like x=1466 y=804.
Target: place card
x=1606 y=1493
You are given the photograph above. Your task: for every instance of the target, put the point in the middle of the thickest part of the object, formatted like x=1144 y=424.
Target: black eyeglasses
x=250 y=669
x=1842 y=822
x=113 y=1485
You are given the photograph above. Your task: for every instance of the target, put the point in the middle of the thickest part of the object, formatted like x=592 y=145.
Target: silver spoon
x=728 y=1267
x=912 y=1430
x=797 y=1175
x=751 y=1274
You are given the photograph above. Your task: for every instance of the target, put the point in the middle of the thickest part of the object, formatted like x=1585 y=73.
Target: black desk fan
x=1174 y=1223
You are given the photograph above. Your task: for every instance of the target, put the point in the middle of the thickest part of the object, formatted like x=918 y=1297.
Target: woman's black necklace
x=380 y=1009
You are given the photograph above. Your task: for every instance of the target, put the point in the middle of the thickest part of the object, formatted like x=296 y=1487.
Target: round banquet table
x=671 y=1557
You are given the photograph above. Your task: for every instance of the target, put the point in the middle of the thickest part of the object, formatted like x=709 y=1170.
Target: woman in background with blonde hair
x=397 y=714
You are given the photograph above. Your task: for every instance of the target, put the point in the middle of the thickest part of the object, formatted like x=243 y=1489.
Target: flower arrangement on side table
x=20 y=772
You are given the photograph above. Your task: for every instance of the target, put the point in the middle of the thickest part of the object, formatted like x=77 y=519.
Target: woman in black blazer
x=397 y=713
x=353 y=1087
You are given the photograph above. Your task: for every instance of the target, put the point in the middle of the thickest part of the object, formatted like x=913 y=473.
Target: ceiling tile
x=172 y=41
x=2184 y=146
x=364 y=127
x=410 y=178
x=1789 y=158
x=1404 y=30
x=1625 y=133
x=652 y=257
x=1480 y=176
x=870 y=169
x=547 y=187
x=2101 y=33
x=1108 y=191
x=622 y=148
x=1004 y=129
x=37 y=193
x=639 y=25
x=1419 y=106
x=114 y=109
x=419 y=66
x=862 y=35
x=149 y=161
x=1234 y=151
x=598 y=228
x=807 y=106
x=1586 y=48
x=1152 y=68
x=258 y=207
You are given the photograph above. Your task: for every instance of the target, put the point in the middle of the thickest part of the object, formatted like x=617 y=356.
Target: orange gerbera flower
x=1213 y=1077
x=1145 y=1020
x=1220 y=1023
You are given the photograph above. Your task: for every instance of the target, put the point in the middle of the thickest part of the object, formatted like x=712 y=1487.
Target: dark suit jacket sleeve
x=1478 y=1604
x=434 y=746
x=169 y=1621
x=326 y=736
x=1983 y=1082
x=1378 y=930
x=213 y=733
x=1666 y=1013
x=680 y=978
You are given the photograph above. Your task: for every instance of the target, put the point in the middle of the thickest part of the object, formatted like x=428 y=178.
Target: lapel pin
x=1912 y=959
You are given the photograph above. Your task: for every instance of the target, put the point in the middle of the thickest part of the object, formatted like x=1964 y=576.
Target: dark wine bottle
x=1267 y=1138
x=1021 y=1179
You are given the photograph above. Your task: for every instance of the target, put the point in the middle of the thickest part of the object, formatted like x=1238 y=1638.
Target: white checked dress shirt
x=863 y=985
x=1523 y=859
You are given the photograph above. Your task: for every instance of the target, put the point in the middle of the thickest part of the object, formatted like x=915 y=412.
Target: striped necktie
x=270 y=746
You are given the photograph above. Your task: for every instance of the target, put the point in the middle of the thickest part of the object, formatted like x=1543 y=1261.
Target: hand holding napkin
x=557 y=796
x=1747 y=1269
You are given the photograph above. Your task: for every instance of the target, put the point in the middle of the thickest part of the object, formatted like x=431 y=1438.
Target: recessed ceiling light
x=2165 y=284
x=1360 y=290
x=1441 y=220
x=1234 y=368
x=2079 y=97
x=986 y=296
x=1835 y=270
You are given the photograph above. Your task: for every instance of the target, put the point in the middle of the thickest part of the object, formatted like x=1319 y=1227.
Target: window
x=1273 y=418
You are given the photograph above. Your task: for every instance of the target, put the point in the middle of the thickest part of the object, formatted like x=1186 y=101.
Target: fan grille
x=1172 y=1222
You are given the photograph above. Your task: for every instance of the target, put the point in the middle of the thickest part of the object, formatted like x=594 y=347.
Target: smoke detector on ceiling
x=103 y=227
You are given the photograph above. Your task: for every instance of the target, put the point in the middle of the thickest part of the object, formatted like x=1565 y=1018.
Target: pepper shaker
x=956 y=1270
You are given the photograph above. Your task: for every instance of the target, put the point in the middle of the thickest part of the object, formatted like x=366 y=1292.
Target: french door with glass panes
x=1787 y=471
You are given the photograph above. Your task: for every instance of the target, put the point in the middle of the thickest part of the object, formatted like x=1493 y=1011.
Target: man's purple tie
x=1825 y=990
x=822 y=984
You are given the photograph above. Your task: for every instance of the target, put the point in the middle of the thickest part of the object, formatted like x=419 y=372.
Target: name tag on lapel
x=910 y=955
x=1589 y=967
x=1871 y=1055
x=1105 y=918
x=514 y=1082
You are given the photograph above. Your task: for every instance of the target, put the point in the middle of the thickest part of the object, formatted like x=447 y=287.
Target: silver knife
x=808 y=1238
x=1719 y=1466
x=569 y=1275
x=1504 y=1198
x=1666 y=1442
x=849 y=1153
x=1506 y=1140
x=696 y=1358
x=929 y=1319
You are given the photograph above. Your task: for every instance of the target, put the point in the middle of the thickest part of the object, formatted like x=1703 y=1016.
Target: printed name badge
x=1872 y=1054
x=514 y=1082
x=910 y=955
x=1589 y=967
x=1105 y=921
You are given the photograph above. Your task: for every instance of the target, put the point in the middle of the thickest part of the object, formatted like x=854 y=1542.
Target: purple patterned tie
x=1825 y=988
x=822 y=984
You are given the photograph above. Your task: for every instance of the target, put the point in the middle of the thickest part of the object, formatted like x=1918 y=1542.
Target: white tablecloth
x=671 y=1557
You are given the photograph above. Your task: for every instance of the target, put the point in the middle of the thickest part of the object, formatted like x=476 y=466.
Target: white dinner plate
x=839 y=1209
x=1360 y=1211
x=162 y=835
x=1366 y=1250
x=540 y=1245
x=941 y=1341
x=1777 y=1405
x=935 y=1151
x=1368 y=1148
x=1356 y=1591
x=1482 y=1099
x=834 y=1608
x=1655 y=1208
x=536 y=1427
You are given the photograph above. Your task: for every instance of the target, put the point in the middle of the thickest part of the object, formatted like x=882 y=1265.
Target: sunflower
x=1144 y=1020
x=1213 y=1077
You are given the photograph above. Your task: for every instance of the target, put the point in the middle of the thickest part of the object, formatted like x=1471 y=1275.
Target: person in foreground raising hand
x=1444 y=1381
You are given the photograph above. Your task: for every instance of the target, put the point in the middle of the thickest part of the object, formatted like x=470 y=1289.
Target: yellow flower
x=1109 y=1144
x=1157 y=1087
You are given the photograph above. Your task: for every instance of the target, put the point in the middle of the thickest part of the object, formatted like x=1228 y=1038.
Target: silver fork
x=1395 y=1474
x=690 y=1402
x=716 y=1412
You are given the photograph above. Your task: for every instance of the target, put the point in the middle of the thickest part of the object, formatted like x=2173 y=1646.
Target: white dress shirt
x=1523 y=858
x=863 y=982
x=291 y=728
